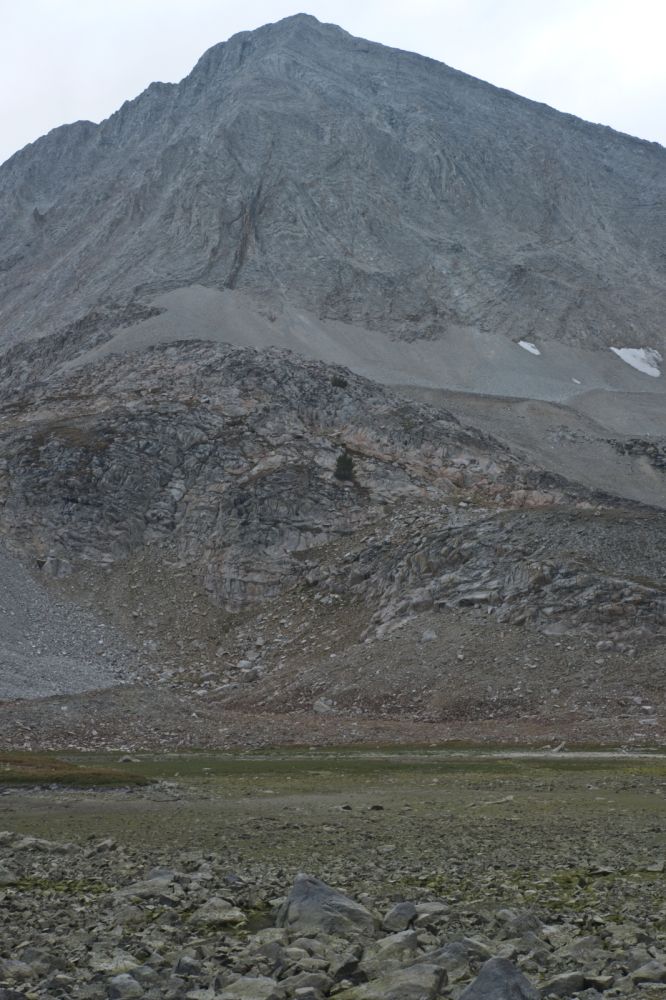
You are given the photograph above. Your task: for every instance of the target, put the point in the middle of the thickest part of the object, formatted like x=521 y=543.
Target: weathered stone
x=7 y=877
x=114 y=964
x=430 y=913
x=500 y=980
x=417 y=982
x=453 y=958
x=564 y=985
x=14 y=971
x=252 y=988
x=514 y=924
x=313 y=906
x=400 y=917
x=218 y=912
x=187 y=965
x=652 y=972
x=124 y=987
x=596 y=981
x=397 y=945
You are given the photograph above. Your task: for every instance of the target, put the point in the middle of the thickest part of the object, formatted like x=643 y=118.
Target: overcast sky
x=63 y=60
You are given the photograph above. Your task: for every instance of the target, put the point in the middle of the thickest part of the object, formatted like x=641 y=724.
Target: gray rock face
x=211 y=470
x=499 y=979
x=313 y=907
x=277 y=164
x=222 y=461
x=228 y=453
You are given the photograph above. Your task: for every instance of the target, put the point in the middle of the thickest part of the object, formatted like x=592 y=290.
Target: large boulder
x=516 y=923
x=312 y=907
x=652 y=972
x=564 y=985
x=124 y=987
x=252 y=988
x=400 y=917
x=499 y=979
x=417 y=982
x=217 y=912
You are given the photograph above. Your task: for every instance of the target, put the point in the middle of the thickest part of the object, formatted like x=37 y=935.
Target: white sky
x=604 y=60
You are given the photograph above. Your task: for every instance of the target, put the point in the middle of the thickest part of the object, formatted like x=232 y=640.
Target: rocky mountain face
x=193 y=499
x=224 y=456
x=365 y=184
x=267 y=532
x=225 y=461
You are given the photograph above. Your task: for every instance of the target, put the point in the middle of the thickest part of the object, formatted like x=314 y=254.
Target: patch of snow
x=532 y=348
x=643 y=359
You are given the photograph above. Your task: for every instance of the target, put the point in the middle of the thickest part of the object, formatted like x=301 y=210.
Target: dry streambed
x=543 y=876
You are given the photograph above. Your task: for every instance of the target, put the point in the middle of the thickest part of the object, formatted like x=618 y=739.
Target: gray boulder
x=417 y=982
x=219 y=912
x=564 y=985
x=499 y=979
x=400 y=917
x=252 y=988
x=453 y=958
x=516 y=923
x=313 y=907
x=652 y=972
x=7 y=877
x=124 y=987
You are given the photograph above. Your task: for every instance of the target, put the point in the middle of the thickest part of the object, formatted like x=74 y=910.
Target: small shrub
x=344 y=467
x=339 y=381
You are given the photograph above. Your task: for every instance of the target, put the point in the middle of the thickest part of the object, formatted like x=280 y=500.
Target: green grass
x=43 y=769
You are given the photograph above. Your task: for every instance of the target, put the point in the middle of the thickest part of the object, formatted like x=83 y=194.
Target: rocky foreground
x=102 y=918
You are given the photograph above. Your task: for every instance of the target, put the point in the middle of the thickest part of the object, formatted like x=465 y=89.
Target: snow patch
x=532 y=348
x=643 y=359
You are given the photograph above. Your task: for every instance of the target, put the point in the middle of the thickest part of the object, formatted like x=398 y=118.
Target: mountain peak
x=297 y=30
x=365 y=185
